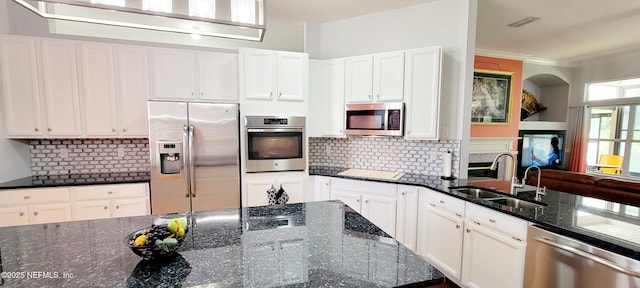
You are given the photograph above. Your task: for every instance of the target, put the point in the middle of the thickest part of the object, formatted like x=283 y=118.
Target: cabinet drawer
x=366 y=187
x=442 y=201
x=34 y=196
x=115 y=191
x=495 y=220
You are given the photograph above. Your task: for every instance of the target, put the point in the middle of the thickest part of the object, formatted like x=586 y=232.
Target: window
x=613 y=120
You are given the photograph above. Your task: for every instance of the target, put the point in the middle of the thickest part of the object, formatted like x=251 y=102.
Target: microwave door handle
x=185 y=141
x=192 y=172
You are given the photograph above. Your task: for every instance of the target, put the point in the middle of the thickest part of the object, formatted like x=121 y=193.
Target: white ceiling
x=569 y=31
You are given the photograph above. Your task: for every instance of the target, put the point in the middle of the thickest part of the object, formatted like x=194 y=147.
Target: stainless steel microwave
x=385 y=119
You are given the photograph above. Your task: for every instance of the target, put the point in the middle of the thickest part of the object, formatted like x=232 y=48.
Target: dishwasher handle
x=587 y=255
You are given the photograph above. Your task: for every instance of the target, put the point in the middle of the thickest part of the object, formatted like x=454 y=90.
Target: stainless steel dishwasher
x=558 y=261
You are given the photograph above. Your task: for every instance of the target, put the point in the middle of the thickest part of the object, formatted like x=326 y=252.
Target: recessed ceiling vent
x=524 y=21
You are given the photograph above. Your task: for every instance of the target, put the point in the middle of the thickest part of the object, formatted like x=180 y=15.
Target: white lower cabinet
x=275 y=257
x=407 y=218
x=374 y=201
x=322 y=188
x=108 y=201
x=440 y=230
x=256 y=186
x=34 y=206
x=494 y=249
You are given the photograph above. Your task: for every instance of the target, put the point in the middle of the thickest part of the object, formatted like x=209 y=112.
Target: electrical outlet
x=120 y=152
x=327 y=149
x=64 y=153
x=433 y=156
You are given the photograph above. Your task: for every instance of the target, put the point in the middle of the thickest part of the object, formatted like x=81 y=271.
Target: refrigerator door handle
x=185 y=140
x=192 y=172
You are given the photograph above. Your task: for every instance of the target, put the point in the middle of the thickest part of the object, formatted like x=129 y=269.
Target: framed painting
x=491 y=99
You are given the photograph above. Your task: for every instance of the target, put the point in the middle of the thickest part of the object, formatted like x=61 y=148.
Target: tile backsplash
x=384 y=153
x=83 y=156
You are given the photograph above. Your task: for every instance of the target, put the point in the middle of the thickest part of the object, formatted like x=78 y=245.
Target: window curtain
x=579 y=141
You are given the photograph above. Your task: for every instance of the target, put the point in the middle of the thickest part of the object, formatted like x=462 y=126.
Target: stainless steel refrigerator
x=194 y=151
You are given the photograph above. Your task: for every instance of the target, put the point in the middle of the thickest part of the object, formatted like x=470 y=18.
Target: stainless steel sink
x=477 y=192
x=515 y=203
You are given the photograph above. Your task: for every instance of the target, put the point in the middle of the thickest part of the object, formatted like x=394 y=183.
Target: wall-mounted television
x=544 y=149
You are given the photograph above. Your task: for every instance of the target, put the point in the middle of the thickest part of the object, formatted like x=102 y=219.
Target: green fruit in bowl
x=176 y=225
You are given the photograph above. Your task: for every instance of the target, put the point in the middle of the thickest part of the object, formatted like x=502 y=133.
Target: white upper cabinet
x=21 y=90
x=333 y=98
x=172 y=74
x=375 y=78
x=132 y=86
x=98 y=89
x=59 y=78
x=422 y=93
x=273 y=75
x=218 y=76
x=178 y=74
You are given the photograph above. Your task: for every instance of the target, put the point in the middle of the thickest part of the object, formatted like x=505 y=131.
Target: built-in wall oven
x=274 y=143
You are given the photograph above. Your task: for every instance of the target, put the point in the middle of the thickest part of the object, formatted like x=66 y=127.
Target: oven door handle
x=587 y=255
x=253 y=130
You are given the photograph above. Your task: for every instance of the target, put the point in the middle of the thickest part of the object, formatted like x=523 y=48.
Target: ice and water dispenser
x=170 y=158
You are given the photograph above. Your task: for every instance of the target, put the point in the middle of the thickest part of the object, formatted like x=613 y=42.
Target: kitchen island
x=317 y=244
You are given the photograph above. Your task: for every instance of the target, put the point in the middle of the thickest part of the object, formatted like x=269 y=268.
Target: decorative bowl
x=159 y=242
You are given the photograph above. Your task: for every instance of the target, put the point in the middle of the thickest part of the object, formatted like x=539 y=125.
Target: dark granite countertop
x=294 y=245
x=76 y=179
x=566 y=214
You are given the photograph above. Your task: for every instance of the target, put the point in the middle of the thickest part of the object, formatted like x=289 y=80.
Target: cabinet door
x=294 y=188
x=132 y=68
x=333 y=98
x=261 y=264
x=388 y=76
x=355 y=257
x=322 y=188
x=491 y=259
x=258 y=74
x=407 y=218
x=49 y=213
x=352 y=199
x=98 y=89
x=172 y=74
x=293 y=262
x=218 y=76
x=422 y=93
x=256 y=191
x=14 y=216
x=21 y=90
x=87 y=210
x=443 y=235
x=59 y=76
x=130 y=207
x=381 y=211
x=359 y=79
x=383 y=262
x=292 y=76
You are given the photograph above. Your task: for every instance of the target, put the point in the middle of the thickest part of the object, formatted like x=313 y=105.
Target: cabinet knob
x=202 y=93
x=105 y=207
x=35 y=213
x=458 y=214
x=358 y=200
x=434 y=205
x=366 y=201
x=492 y=220
x=441 y=202
x=27 y=197
x=279 y=94
x=270 y=94
x=477 y=223
x=369 y=96
x=326 y=184
x=378 y=96
x=117 y=206
x=408 y=132
x=21 y=213
x=49 y=129
x=403 y=193
x=110 y=192
x=113 y=129
x=124 y=129
x=193 y=93
x=468 y=230
x=37 y=129
x=457 y=226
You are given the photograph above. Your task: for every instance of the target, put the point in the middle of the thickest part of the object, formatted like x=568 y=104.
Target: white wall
x=16 y=156
x=446 y=23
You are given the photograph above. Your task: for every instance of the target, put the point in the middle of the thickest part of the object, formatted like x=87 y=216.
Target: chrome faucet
x=515 y=184
x=539 y=192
